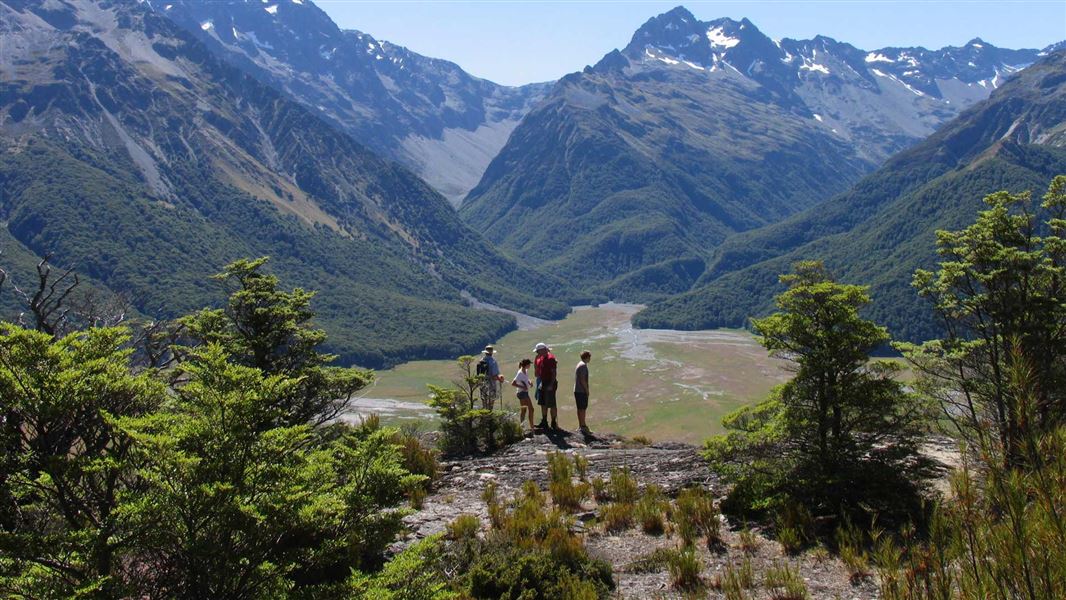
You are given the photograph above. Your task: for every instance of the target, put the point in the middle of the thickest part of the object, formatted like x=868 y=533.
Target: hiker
x=488 y=368
x=546 y=368
x=581 y=390
x=521 y=381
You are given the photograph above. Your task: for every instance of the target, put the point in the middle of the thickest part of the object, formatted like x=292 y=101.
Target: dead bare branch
x=48 y=303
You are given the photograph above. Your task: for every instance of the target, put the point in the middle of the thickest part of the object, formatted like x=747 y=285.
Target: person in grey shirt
x=581 y=389
x=493 y=377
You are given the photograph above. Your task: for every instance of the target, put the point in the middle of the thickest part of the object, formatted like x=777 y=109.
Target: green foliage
x=467 y=428
x=463 y=528
x=653 y=562
x=784 y=582
x=651 y=511
x=684 y=566
x=566 y=495
x=734 y=580
x=417 y=573
x=270 y=330
x=617 y=516
x=600 y=489
x=221 y=489
x=695 y=516
x=842 y=436
x=213 y=480
x=749 y=542
x=417 y=459
x=1000 y=532
x=851 y=546
x=999 y=293
x=581 y=465
x=622 y=487
x=65 y=525
x=531 y=553
x=794 y=526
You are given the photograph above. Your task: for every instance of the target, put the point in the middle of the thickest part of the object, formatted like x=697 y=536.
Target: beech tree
x=1000 y=294
x=841 y=436
x=271 y=330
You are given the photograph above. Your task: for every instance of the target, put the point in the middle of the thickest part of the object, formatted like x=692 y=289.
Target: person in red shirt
x=545 y=367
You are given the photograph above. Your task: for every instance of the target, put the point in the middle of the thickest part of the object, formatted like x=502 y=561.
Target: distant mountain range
x=427 y=113
x=146 y=144
x=884 y=228
x=133 y=154
x=636 y=169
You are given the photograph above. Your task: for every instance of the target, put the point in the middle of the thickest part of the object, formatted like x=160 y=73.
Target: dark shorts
x=582 y=400
x=547 y=395
x=523 y=396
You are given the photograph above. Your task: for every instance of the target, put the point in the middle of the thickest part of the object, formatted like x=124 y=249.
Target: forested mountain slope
x=427 y=113
x=633 y=171
x=884 y=228
x=135 y=156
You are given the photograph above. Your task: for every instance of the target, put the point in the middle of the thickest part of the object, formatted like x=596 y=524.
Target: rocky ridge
x=672 y=466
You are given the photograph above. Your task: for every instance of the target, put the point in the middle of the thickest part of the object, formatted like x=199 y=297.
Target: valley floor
x=663 y=384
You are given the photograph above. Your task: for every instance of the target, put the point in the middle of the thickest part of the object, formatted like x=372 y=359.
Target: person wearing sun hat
x=546 y=368
x=493 y=377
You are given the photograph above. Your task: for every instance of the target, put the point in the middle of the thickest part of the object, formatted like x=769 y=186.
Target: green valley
x=666 y=385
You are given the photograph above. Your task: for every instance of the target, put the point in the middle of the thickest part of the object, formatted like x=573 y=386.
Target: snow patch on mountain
x=717 y=37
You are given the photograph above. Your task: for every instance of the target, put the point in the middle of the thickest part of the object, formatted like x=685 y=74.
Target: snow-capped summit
x=677 y=37
x=878 y=99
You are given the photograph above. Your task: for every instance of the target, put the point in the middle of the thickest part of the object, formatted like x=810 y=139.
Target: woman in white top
x=521 y=381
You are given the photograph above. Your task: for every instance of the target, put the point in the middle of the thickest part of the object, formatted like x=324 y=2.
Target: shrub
x=749 y=541
x=617 y=516
x=784 y=583
x=642 y=440
x=653 y=562
x=696 y=515
x=565 y=494
x=649 y=513
x=623 y=487
x=417 y=458
x=416 y=494
x=531 y=553
x=464 y=527
x=795 y=527
x=581 y=465
x=684 y=566
x=417 y=573
x=600 y=489
x=820 y=554
x=465 y=427
x=790 y=540
x=851 y=547
x=490 y=496
x=733 y=581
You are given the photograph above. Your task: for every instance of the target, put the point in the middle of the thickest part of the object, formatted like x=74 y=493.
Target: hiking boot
x=555 y=426
x=543 y=424
x=585 y=430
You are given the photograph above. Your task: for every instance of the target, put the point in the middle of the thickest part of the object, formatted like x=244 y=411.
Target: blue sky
x=516 y=41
